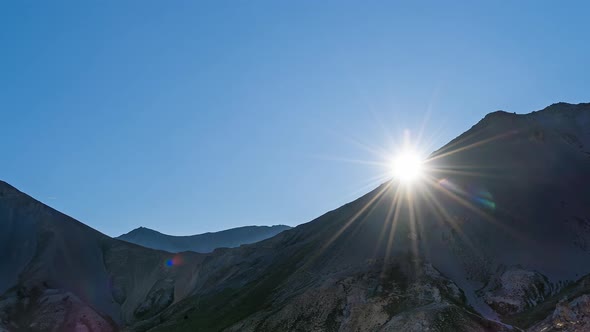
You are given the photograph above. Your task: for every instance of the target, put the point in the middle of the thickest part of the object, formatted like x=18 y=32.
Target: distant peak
x=205 y=242
x=140 y=230
x=278 y=226
x=144 y=229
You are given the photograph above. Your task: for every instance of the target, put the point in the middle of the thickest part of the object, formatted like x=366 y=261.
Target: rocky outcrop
x=403 y=296
x=515 y=290
x=159 y=298
x=101 y=279
x=51 y=310
x=568 y=316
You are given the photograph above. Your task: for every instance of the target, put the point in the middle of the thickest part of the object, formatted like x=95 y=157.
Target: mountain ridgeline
x=203 y=243
x=496 y=238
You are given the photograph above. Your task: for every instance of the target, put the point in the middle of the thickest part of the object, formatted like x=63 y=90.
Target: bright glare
x=407 y=166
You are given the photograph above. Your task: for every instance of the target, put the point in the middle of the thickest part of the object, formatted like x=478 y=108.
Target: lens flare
x=486 y=199
x=174 y=261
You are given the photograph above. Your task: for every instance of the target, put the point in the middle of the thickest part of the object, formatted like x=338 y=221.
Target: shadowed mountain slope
x=59 y=273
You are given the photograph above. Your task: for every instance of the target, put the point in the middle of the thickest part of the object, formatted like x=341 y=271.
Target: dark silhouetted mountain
x=203 y=243
x=57 y=274
x=497 y=234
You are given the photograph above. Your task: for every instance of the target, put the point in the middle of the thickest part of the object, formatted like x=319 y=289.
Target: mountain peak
x=560 y=115
x=498 y=116
x=553 y=109
x=564 y=107
x=205 y=242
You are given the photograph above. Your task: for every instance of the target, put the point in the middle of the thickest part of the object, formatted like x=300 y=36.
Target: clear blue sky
x=194 y=116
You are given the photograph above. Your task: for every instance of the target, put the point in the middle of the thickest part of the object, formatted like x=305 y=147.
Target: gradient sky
x=195 y=116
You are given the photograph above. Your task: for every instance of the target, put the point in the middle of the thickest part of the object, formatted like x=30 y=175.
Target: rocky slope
x=504 y=218
x=60 y=273
x=203 y=243
x=498 y=233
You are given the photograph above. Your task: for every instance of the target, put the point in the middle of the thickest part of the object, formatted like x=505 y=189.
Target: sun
x=407 y=166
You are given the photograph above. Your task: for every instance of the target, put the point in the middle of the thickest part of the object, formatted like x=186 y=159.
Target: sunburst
x=417 y=184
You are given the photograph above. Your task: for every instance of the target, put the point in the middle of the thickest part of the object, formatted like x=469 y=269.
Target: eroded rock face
x=158 y=299
x=515 y=290
x=569 y=316
x=50 y=310
x=107 y=283
x=441 y=317
x=398 y=298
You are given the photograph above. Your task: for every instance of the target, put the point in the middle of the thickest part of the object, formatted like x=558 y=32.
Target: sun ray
x=348 y=223
x=415 y=193
x=354 y=161
x=446 y=217
x=414 y=234
x=485 y=216
x=388 y=216
x=438 y=155
x=375 y=150
x=393 y=228
x=443 y=171
x=371 y=183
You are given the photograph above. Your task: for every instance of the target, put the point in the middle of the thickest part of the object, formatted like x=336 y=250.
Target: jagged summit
x=555 y=123
x=554 y=110
x=564 y=107
x=560 y=107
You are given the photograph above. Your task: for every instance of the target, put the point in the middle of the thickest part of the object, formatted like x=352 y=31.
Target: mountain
x=496 y=238
x=58 y=274
x=203 y=243
x=501 y=229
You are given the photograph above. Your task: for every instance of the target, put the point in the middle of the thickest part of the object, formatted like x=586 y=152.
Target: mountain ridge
x=205 y=242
